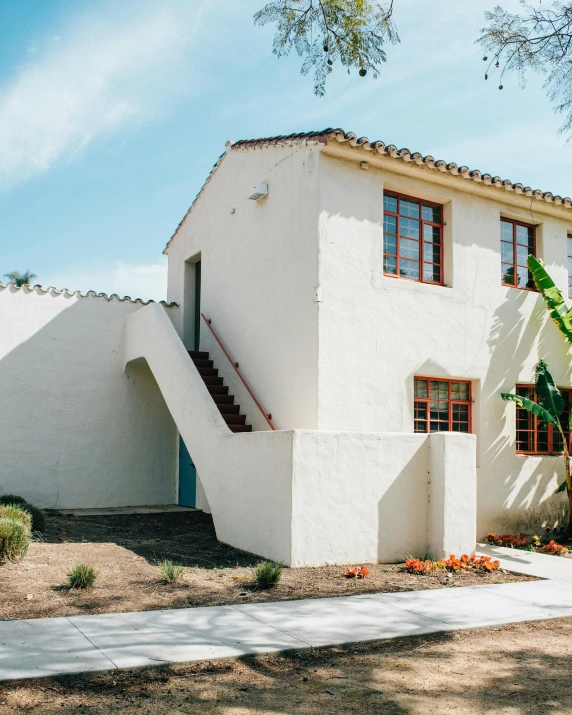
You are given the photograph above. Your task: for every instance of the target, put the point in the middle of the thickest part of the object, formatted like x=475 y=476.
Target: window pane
x=420 y=417
x=524 y=235
x=420 y=388
x=431 y=253
x=390 y=244
x=524 y=277
x=459 y=390
x=439 y=390
x=431 y=273
x=507 y=274
x=390 y=203
x=431 y=213
x=507 y=252
x=409 y=249
x=390 y=265
x=431 y=233
x=409 y=269
x=506 y=231
x=409 y=228
x=522 y=254
x=390 y=224
x=408 y=207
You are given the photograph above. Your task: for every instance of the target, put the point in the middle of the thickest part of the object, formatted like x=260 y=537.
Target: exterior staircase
x=219 y=392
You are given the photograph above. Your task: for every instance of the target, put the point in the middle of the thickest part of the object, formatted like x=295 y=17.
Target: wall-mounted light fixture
x=258 y=192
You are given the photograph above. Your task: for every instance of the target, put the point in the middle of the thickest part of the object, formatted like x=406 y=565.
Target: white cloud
x=144 y=280
x=105 y=69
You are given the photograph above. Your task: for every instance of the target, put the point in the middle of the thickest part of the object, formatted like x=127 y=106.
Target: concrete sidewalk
x=529 y=563
x=56 y=646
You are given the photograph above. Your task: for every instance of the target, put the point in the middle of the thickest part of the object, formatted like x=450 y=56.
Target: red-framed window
x=534 y=436
x=569 y=243
x=442 y=405
x=518 y=240
x=412 y=238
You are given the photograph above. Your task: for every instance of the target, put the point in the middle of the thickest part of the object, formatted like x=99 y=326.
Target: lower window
x=534 y=436
x=442 y=405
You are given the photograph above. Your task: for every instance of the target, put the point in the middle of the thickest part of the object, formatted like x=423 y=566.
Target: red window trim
x=514 y=250
x=422 y=222
x=451 y=402
x=550 y=452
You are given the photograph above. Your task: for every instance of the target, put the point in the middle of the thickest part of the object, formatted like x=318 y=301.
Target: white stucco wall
x=259 y=273
x=307 y=497
x=378 y=332
x=75 y=430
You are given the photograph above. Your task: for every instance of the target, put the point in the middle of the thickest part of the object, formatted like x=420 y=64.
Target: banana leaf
x=561 y=488
x=530 y=406
x=555 y=303
x=547 y=393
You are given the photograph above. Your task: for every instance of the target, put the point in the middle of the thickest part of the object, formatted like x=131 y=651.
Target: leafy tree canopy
x=539 y=39
x=354 y=33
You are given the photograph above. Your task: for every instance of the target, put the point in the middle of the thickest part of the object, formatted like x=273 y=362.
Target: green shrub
x=14 y=539
x=11 y=511
x=268 y=573
x=81 y=576
x=170 y=571
x=38 y=516
x=12 y=499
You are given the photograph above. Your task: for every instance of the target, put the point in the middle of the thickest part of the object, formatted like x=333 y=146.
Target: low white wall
x=368 y=497
x=307 y=497
x=75 y=431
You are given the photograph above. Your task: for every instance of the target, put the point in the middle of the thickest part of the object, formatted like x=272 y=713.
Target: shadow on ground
x=189 y=538
x=513 y=670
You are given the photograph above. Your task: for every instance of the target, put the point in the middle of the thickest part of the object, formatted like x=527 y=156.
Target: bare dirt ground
x=513 y=670
x=124 y=550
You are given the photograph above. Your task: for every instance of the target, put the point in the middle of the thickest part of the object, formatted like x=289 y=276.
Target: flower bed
x=524 y=543
x=452 y=564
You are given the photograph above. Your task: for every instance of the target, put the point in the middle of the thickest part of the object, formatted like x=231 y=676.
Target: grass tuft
x=38 y=516
x=12 y=511
x=267 y=574
x=14 y=539
x=170 y=571
x=81 y=576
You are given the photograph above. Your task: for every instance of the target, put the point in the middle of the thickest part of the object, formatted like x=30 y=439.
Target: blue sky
x=112 y=113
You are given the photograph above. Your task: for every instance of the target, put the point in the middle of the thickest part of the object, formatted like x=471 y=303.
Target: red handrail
x=267 y=416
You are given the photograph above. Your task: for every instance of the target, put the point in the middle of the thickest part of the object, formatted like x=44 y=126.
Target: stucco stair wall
x=309 y=497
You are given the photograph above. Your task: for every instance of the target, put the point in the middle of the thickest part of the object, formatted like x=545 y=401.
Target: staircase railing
x=267 y=416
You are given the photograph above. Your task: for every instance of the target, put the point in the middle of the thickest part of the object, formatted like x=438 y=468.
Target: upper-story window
x=570 y=265
x=518 y=240
x=412 y=238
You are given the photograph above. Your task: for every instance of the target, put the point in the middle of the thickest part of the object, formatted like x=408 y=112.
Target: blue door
x=187 y=477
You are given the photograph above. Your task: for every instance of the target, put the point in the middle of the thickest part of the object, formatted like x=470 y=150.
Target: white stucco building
x=377 y=302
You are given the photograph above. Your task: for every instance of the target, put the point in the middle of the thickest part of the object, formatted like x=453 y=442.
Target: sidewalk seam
x=92 y=643
x=290 y=635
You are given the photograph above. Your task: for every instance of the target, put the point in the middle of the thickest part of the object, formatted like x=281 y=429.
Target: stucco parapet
x=40 y=290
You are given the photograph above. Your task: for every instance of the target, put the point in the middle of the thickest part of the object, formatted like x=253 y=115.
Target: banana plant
x=548 y=410
x=560 y=313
